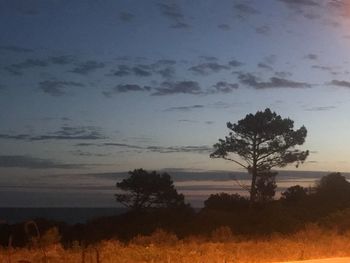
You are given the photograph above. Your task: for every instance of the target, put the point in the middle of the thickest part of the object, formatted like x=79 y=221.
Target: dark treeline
x=327 y=204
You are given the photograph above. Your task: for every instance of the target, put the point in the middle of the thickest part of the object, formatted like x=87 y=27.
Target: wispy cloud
x=16 y=49
x=23 y=161
x=263 y=30
x=244 y=10
x=321 y=108
x=179 y=87
x=235 y=63
x=340 y=83
x=301 y=2
x=207 y=68
x=87 y=67
x=311 y=56
x=274 y=82
x=264 y=66
x=224 y=27
x=18 y=68
x=173 y=12
x=185 y=108
x=126 y=16
x=57 y=88
x=62 y=60
x=64 y=133
x=124 y=88
x=223 y=87
x=165 y=149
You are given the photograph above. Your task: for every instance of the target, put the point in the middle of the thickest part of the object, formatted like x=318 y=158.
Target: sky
x=108 y=86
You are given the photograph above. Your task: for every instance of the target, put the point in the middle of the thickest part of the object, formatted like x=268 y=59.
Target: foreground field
x=161 y=247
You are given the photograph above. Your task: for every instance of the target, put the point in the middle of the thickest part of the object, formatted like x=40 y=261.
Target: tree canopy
x=144 y=189
x=260 y=142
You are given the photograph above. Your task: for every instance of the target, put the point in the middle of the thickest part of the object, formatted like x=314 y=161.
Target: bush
x=224 y=201
x=222 y=234
x=294 y=194
x=158 y=237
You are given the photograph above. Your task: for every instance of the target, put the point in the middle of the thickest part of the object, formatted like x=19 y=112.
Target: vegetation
x=227 y=229
x=262 y=141
x=142 y=190
x=164 y=247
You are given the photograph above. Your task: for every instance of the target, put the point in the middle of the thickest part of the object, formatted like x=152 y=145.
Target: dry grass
x=162 y=247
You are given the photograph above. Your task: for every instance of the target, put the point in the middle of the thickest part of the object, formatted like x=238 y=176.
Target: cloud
x=324 y=68
x=123 y=88
x=181 y=149
x=165 y=62
x=311 y=56
x=57 y=88
x=264 y=66
x=88 y=154
x=162 y=67
x=235 y=63
x=321 y=108
x=15 y=136
x=207 y=68
x=166 y=73
x=244 y=10
x=61 y=60
x=187 y=121
x=185 y=108
x=179 y=87
x=122 y=145
x=209 y=58
x=17 y=69
x=87 y=67
x=340 y=83
x=263 y=30
x=270 y=59
x=141 y=71
x=209 y=122
x=160 y=149
x=224 y=27
x=23 y=161
x=126 y=16
x=72 y=133
x=64 y=133
x=123 y=70
x=283 y=74
x=274 y=82
x=16 y=49
x=301 y=2
x=83 y=144
x=180 y=25
x=224 y=87
x=173 y=12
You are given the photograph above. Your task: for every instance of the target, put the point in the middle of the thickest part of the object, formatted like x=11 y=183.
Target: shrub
x=222 y=234
x=158 y=237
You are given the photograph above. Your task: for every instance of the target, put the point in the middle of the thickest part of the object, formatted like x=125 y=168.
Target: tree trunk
x=253 y=187
x=254 y=173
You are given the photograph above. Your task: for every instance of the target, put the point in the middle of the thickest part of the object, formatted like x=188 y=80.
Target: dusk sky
x=107 y=86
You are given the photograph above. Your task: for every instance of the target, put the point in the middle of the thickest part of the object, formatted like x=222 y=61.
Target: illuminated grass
x=308 y=244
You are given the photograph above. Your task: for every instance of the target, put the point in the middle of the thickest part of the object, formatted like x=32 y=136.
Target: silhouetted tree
x=225 y=201
x=294 y=193
x=262 y=141
x=333 y=188
x=144 y=189
x=333 y=182
x=266 y=186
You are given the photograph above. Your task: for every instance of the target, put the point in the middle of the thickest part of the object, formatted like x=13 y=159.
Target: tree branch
x=232 y=160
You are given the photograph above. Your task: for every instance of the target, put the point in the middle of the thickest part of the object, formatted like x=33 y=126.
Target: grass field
x=221 y=247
